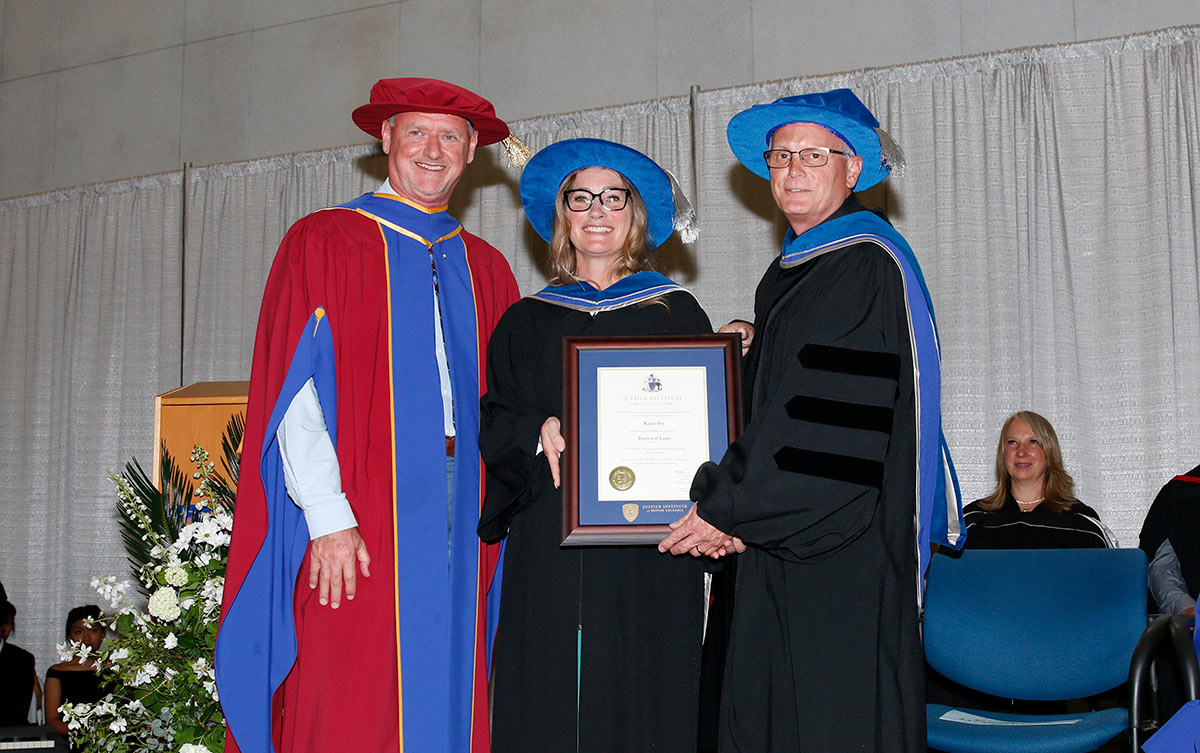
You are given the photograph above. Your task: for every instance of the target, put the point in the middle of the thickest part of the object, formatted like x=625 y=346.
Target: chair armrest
x=1185 y=654
x=1148 y=646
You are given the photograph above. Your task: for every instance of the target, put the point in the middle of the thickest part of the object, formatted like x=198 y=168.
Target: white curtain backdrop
x=1052 y=197
x=90 y=333
x=237 y=214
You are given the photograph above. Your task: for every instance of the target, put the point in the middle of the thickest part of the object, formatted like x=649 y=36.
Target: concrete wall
x=97 y=90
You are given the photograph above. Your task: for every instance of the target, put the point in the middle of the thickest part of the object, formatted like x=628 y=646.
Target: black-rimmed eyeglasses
x=581 y=199
x=813 y=156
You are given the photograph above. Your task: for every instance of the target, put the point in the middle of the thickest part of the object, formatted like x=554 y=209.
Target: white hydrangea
x=170 y=641
x=192 y=748
x=118 y=725
x=175 y=576
x=119 y=654
x=164 y=604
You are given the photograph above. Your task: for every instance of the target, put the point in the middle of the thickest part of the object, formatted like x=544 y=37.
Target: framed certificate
x=640 y=415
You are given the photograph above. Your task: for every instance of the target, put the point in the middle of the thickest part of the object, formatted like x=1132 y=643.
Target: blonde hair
x=1058 y=489
x=634 y=254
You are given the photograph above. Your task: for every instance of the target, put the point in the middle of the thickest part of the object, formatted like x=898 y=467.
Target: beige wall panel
x=547 y=56
x=206 y=19
x=118 y=118
x=441 y=40
x=709 y=44
x=276 y=76
x=29 y=38
x=216 y=100
x=305 y=78
x=1096 y=19
x=1016 y=23
x=268 y=13
x=27 y=122
x=94 y=31
x=829 y=36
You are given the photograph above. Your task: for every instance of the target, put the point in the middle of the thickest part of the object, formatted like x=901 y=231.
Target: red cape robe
x=332 y=269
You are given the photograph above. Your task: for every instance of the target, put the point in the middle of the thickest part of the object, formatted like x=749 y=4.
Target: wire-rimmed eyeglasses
x=813 y=156
x=581 y=199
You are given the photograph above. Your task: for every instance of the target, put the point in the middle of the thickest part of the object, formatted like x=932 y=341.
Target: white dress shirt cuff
x=310 y=466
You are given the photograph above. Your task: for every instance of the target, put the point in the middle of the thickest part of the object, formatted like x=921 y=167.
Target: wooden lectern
x=195 y=415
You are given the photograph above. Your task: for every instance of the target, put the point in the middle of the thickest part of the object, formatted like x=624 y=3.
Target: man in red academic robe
x=355 y=609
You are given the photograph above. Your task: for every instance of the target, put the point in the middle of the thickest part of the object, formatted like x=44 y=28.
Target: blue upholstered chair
x=1038 y=625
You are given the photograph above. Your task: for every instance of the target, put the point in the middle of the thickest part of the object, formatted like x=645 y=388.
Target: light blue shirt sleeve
x=1166 y=581
x=310 y=466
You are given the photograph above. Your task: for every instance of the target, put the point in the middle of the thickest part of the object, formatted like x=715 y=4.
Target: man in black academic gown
x=18 y=677
x=1170 y=538
x=841 y=477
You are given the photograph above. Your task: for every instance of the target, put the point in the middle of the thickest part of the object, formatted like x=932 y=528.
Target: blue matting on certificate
x=593 y=511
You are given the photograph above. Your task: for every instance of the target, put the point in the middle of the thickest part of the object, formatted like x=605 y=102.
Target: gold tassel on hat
x=516 y=151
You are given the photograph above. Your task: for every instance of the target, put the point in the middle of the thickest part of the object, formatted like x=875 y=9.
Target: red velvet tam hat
x=392 y=95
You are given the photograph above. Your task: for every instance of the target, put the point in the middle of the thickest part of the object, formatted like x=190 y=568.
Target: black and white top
x=1040 y=528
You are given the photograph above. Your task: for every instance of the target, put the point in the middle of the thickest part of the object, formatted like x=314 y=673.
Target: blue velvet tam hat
x=548 y=168
x=841 y=112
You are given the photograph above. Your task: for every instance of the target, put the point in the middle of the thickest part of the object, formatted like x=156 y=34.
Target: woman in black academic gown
x=597 y=649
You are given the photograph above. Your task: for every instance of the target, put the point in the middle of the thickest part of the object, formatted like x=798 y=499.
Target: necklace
x=1028 y=506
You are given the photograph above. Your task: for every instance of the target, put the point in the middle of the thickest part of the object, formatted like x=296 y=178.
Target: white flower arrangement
x=158 y=669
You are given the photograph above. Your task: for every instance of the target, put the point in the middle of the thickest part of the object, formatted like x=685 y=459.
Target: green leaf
x=231 y=450
x=164 y=509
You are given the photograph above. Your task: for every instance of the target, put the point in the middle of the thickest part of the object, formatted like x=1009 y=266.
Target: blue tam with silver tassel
x=839 y=111
x=545 y=172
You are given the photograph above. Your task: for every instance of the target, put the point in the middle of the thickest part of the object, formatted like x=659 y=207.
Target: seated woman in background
x=1034 y=505
x=75 y=681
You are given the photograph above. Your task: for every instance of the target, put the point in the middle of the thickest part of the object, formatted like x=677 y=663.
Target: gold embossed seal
x=621 y=478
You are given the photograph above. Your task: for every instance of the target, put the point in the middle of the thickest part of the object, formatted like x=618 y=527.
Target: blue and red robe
x=348 y=304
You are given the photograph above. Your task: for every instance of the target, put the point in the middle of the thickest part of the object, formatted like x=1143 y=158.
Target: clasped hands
x=694 y=535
